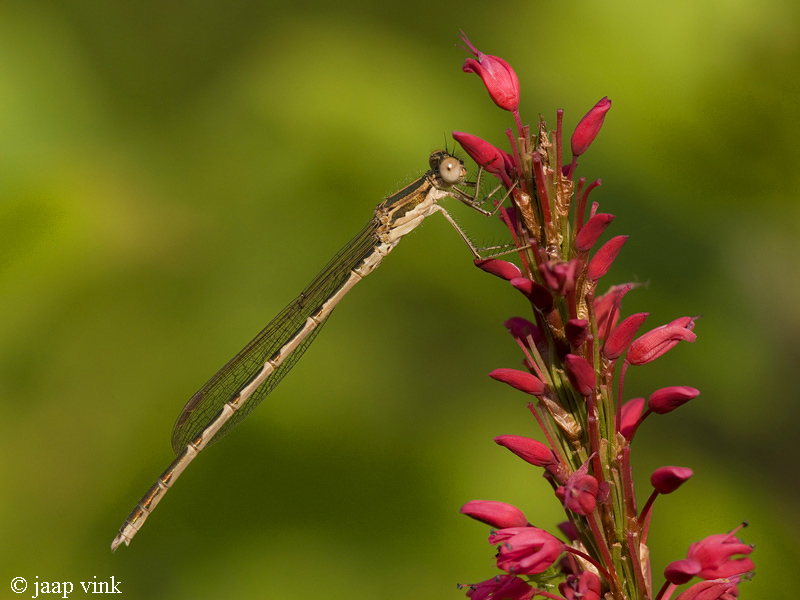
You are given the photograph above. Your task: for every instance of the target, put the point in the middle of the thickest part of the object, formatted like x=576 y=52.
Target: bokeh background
x=171 y=174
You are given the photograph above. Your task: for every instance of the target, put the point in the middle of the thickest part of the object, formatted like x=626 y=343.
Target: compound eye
x=450 y=170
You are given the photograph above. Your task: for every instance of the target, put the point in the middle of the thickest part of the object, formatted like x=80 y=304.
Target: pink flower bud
x=669 y=398
x=619 y=339
x=576 y=331
x=666 y=480
x=629 y=416
x=591 y=231
x=589 y=126
x=492 y=159
x=499 y=78
x=681 y=571
x=579 y=494
x=581 y=374
x=603 y=259
x=539 y=296
x=529 y=450
x=660 y=340
x=496 y=514
x=569 y=530
x=526 y=550
x=501 y=268
x=524 y=382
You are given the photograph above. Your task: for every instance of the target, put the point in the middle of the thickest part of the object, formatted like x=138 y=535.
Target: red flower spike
x=666 y=480
x=492 y=159
x=581 y=374
x=669 y=398
x=589 y=126
x=603 y=259
x=576 y=331
x=583 y=587
x=718 y=589
x=526 y=550
x=495 y=514
x=524 y=382
x=502 y=587
x=660 y=340
x=499 y=78
x=681 y=571
x=629 y=416
x=591 y=231
x=622 y=336
x=501 y=268
x=530 y=450
x=715 y=554
x=540 y=296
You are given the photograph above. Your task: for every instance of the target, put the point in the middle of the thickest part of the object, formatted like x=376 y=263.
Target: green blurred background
x=171 y=174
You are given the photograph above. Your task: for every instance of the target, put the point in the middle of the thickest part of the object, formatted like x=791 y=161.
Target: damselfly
x=237 y=388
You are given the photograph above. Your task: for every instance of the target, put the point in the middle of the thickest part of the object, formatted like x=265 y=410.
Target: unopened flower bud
x=591 y=231
x=589 y=126
x=492 y=159
x=499 y=78
x=581 y=374
x=669 y=398
x=540 y=296
x=530 y=450
x=603 y=259
x=496 y=514
x=501 y=268
x=666 y=480
x=524 y=382
x=576 y=331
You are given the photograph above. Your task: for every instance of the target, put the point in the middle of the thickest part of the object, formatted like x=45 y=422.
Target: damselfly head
x=449 y=169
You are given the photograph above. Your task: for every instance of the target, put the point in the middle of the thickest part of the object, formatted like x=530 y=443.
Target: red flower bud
x=499 y=78
x=496 y=514
x=524 y=382
x=669 y=398
x=604 y=305
x=619 y=339
x=666 y=480
x=540 y=296
x=581 y=374
x=603 y=259
x=576 y=331
x=492 y=159
x=579 y=494
x=629 y=416
x=506 y=587
x=501 y=268
x=660 y=340
x=529 y=450
x=591 y=231
x=585 y=586
x=589 y=126
x=560 y=276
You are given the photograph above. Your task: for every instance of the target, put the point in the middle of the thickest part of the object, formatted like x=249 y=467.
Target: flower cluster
x=577 y=351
